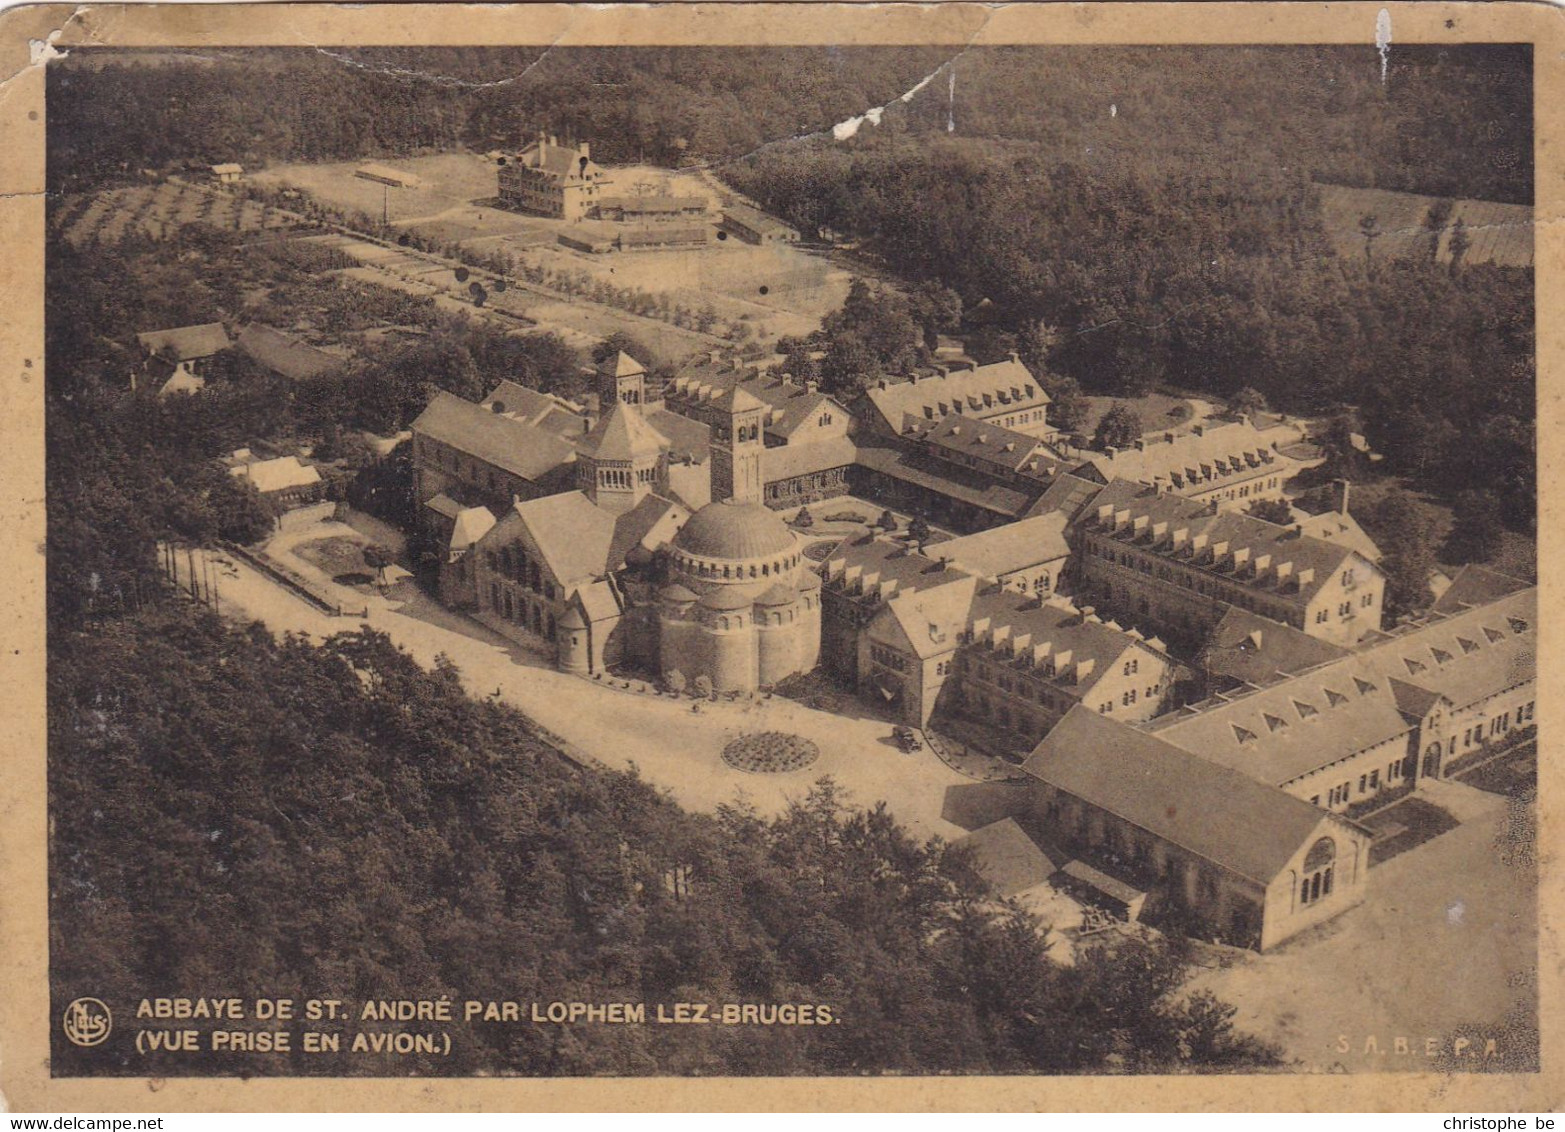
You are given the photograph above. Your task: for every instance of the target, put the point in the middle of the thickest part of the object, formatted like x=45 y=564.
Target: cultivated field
x=1499 y=233
x=159 y=211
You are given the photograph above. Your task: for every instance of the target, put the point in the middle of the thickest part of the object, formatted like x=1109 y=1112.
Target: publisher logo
x=87 y=1022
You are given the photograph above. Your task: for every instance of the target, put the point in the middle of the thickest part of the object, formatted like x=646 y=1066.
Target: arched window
x=1318 y=867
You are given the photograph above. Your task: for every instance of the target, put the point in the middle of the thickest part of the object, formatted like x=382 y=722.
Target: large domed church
x=742 y=604
x=620 y=572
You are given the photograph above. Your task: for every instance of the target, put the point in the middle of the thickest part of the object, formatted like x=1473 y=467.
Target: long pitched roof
x=551 y=413
x=573 y=534
x=1169 y=513
x=791 y=405
x=1070 y=647
x=513 y=446
x=962 y=437
x=1209 y=452
x=981 y=390
x=185 y=343
x=789 y=460
x=283 y=354
x=922 y=471
x=1467 y=655
x=1286 y=730
x=1221 y=816
x=1324 y=712
x=1004 y=550
x=1252 y=649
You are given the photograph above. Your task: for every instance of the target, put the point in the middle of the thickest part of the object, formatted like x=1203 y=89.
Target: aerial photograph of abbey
x=1019 y=561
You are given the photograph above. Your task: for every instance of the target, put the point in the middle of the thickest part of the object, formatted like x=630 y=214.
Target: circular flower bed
x=770 y=752
x=819 y=551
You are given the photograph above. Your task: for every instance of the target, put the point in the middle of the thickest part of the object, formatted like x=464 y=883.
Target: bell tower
x=622 y=380
x=737 y=446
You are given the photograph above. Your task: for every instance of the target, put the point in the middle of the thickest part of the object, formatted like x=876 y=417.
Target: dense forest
x=1451 y=121
x=114 y=114
x=268 y=817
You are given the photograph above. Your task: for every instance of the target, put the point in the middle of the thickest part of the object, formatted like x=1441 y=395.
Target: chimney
x=1342 y=495
x=585 y=149
x=1110 y=451
x=1141 y=445
x=1199 y=430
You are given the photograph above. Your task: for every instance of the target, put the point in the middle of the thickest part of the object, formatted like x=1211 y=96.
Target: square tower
x=737 y=445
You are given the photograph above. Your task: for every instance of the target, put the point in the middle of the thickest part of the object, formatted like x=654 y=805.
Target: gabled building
x=1028 y=556
x=1177 y=565
x=282 y=354
x=550 y=179
x=1003 y=393
x=1248 y=863
x=808 y=451
x=989 y=449
x=924 y=634
x=1344 y=728
x=477 y=456
x=754 y=226
x=1229 y=463
x=179 y=360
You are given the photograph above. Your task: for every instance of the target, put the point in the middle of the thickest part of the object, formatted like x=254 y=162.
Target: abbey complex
x=1210 y=697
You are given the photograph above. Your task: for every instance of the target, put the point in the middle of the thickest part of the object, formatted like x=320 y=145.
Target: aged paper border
x=26 y=36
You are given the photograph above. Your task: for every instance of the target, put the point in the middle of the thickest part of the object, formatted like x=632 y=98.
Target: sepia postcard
x=780 y=556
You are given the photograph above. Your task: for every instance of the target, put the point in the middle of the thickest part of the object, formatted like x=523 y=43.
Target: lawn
x=339 y=557
x=1410 y=823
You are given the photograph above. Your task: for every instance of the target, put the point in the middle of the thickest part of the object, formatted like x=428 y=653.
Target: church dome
x=734 y=531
